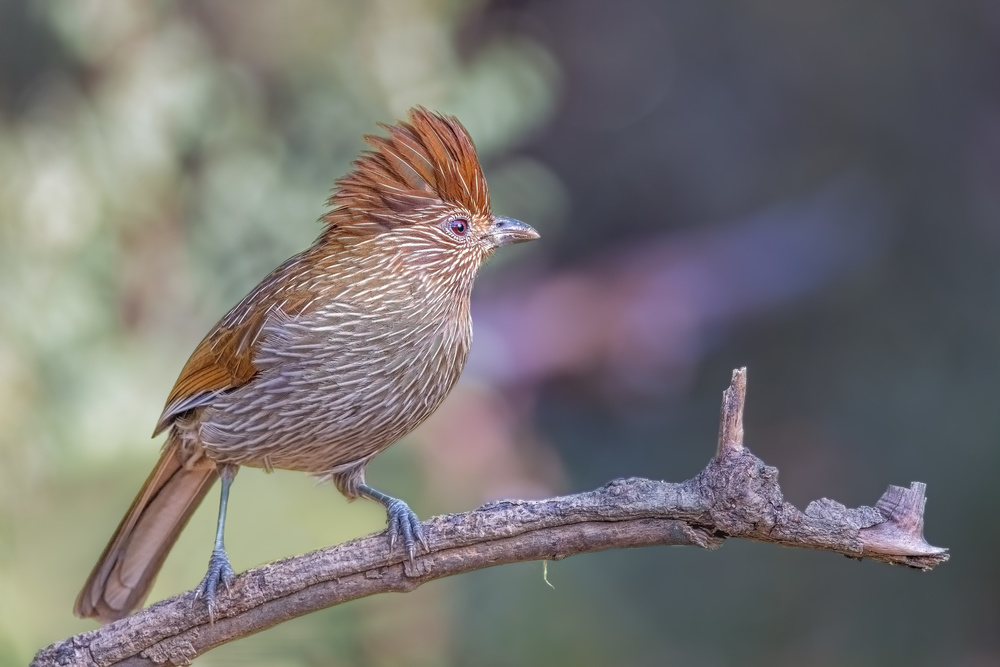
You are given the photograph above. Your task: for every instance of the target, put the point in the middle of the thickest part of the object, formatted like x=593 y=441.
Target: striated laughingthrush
x=338 y=353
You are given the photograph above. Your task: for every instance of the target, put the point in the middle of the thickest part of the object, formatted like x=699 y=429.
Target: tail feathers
x=125 y=572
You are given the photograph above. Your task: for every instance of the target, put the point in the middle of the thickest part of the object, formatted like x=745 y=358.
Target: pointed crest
x=426 y=163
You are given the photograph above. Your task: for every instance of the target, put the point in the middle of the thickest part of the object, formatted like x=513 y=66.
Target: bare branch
x=736 y=495
x=731 y=420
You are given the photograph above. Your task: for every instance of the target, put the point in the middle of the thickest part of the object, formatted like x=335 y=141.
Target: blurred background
x=809 y=189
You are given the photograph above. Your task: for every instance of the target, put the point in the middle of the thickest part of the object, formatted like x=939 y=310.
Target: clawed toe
x=403 y=523
x=219 y=571
x=405 y=526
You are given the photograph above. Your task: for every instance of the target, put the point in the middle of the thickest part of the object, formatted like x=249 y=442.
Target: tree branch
x=736 y=495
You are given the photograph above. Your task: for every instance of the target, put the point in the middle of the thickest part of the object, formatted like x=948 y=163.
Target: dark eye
x=459 y=226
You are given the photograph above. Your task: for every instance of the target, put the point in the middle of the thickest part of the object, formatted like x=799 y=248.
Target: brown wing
x=217 y=364
x=225 y=358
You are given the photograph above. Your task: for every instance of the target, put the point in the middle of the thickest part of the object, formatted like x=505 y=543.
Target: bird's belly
x=315 y=408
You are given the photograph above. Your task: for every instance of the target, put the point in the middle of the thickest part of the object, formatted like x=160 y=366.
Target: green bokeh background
x=158 y=158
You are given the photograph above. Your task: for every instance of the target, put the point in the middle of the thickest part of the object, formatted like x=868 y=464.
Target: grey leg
x=219 y=569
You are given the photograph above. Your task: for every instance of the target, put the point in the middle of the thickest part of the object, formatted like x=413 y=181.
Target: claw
x=404 y=524
x=401 y=520
x=219 y=571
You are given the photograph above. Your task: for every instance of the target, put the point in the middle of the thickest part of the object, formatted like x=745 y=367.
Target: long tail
x=125 y=572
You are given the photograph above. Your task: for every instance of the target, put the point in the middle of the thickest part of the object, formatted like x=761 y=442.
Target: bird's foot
x=219 y=571
x=404 y=525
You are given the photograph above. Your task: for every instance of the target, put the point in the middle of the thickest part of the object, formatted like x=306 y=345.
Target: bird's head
x=420 y=194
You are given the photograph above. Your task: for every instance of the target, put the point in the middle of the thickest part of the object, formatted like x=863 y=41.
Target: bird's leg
x=219 y=569
x=403 y=523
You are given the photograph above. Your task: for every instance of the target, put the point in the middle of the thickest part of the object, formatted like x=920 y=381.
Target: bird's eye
x=459 y=226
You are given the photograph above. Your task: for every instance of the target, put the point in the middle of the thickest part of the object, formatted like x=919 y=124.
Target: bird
x=338 y=353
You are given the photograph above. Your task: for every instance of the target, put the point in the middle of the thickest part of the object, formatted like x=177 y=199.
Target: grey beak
x=507 y=231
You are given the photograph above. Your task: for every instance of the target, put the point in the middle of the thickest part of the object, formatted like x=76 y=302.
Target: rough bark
x=736 y=495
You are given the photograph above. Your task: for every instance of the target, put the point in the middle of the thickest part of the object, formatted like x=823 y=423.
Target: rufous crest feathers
x=429 y=162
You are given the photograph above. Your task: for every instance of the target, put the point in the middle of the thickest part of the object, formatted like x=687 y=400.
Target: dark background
x=808 y=189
